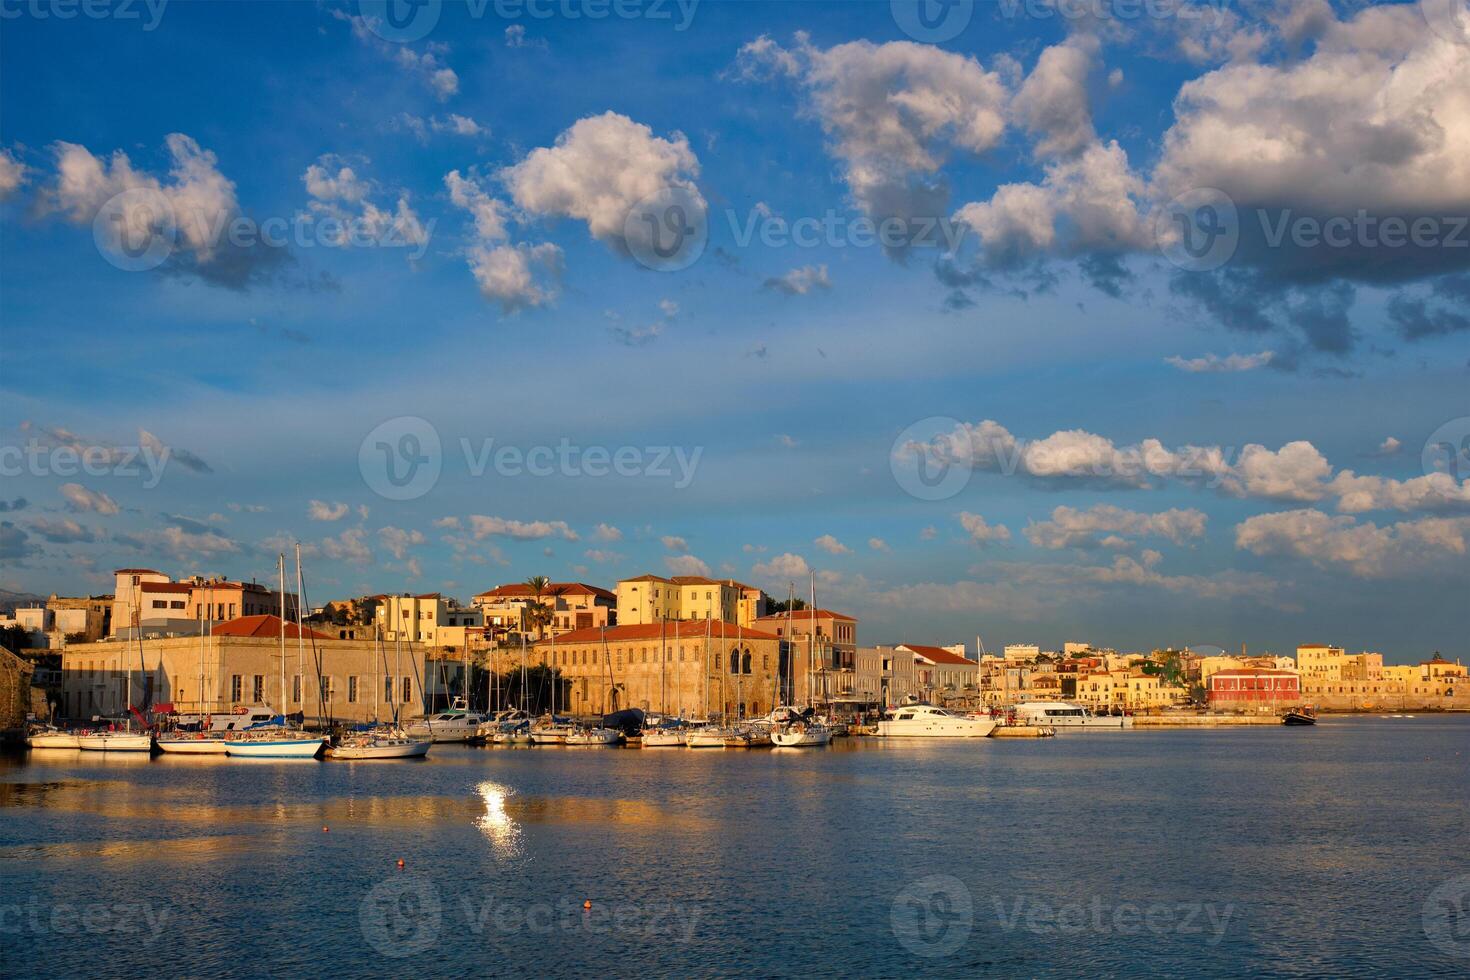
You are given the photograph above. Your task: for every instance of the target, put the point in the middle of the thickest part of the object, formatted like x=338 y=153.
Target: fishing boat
x=927 y=721
x=1301 y=716
x=51 y=737
x=380 y=744
x=116 y=742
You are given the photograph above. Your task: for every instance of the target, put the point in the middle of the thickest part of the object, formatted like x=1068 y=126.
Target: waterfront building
x=699 y=667
x=150 y=602
x=942 y=673
x=1320 y=661
x=431 y=619
x=241 y=665
x=1021 y=653
x=1253 y=689
x=573 y=606
x=827 y=638
x=652 y=598
x=1129 y=688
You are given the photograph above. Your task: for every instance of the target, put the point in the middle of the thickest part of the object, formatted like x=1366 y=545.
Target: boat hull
x=800 y=740
x=663 y=740
x=116 y=742
x=192 y=746
x=286 y=748
x=945 y=728
x=706 y=740
x=411 y=749
x=54 y=740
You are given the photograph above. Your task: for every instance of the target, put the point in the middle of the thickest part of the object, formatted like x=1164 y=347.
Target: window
x=258 y=687
x=159 y=604
x=296 y=689
x=235 y=687
x=327 y=687
x=388 y=689
x=176 y=604
x=407 y=688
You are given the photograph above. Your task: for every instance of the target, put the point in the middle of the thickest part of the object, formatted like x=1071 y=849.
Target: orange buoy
x=400 y=862
x=324 y=830
x=587 y=905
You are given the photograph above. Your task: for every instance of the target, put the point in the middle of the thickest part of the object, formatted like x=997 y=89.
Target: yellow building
x=433 y=620
x=573 y=606
x=1320 y=661
x=695 y=668
x=650 y=598
x=1130 y=689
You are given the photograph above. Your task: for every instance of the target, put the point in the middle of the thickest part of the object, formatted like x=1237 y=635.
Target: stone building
x=241 y=665
x=700 y=668
x=15 y=691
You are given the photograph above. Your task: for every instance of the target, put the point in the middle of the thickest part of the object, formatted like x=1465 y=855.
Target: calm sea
x=1339 y=850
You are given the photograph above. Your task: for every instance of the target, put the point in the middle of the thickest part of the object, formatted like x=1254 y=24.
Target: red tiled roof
x=808 y=614
x=183 y=587
x=264 y=626
x=517 y=590
x=937 y=655
x=674 y=629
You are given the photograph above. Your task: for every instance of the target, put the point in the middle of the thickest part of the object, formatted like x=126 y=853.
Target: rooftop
x=938 y=655
x=264 y=626
x=680 y=629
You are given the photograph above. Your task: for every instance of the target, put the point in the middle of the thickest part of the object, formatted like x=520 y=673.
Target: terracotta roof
x=938 y=655
x=182 y=587
x=518 y=590
x=676 y=629
x=808 y=614
x=644 y=578
x=264 y=626
x=1438 y=661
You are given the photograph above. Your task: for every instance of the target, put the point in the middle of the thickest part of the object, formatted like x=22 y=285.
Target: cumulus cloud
x=981 y=532
x=349 y=546
x=12 y=174
x=878 y=544
x=1215 y=364
x=485 y=527
x=598 y=170
x=893 y=114
x=782 y=566
x=801 y=280
x=1364 y=549
x=320 y=510
x=831 y=545
x=1052 y=102
x=197 y=205
x=517 y=277
x=606 y=532
x=674 y=543
x=338 y=193
x=427 y=66
x=1107 y=526
x=79 y=498
x=63 y=531
x=398 y=541
x=685 y=565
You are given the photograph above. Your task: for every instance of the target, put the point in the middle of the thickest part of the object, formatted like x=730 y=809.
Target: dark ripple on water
x=1273 y=852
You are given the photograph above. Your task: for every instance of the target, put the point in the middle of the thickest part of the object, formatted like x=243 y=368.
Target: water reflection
x=496 y=823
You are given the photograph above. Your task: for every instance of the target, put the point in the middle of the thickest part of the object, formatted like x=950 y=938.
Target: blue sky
x=512 y=302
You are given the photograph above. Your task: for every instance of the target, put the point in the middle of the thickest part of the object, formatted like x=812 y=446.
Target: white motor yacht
x=927 y=721
x=1061 y=714
x=451 y=725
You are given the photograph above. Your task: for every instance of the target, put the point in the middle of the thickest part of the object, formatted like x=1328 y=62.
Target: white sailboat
x=123 y=741
x=282 y=742
x=796 y=731
x=204 y=741
x=53 y=738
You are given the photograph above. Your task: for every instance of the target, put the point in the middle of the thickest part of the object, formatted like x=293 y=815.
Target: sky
x=1135 y=324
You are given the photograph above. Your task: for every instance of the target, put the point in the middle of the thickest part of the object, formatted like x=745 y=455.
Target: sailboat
x=798 y=730
x=665 y=735
x=381 y=742
x=126 y=740
x=279 y=742
x=203 y=741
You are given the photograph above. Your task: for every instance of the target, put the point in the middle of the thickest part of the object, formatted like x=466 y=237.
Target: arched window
x=745 y=662
x=734 y=661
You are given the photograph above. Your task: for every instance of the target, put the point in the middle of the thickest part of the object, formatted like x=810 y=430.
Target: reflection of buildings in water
x=496 y=824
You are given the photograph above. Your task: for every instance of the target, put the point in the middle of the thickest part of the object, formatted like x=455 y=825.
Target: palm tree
x=538 y=614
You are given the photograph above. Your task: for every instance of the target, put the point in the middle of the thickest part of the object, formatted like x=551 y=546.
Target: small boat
x=192 y=743
x=800 y=734
x=1302 y=716
x=279 y=745
x=927 y=721
x=53 y=738
x=116 y=742
x=707 y=738
x=592 y=736
x=384 y=744
x=553 y=732
x=662 y=738
x=455 y=724
x=502 y=721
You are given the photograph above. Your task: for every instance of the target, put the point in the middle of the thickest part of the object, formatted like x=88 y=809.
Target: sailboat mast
x=300 y=641
x=663 y=708
x=812 y=632
x=281 y=568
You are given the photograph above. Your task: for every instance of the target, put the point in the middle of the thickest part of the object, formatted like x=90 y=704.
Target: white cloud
x=1365 y=549
x=484 y=527
x=801 y=280
x=878 y=544
x=685 y=565
x=981 y=532
x=187 y=545
x=349 y=546
x=329 y=179
x=893 y=113
x=1107 y=526
x=320 y=510
x=1052 y=102
x=79 y=498
x=674 y=543
x=518 y=276
x=787 y=441
x=337 y=192
x=1215 y=364
x=783 y=566
x=489 y=213
x=427 y=66
x=602 y=556
x=599 y=169
x=398 y=541
x=12 y=174
x=831 y=545
x=63 y=531
x=606 y=532
x=1389 y=447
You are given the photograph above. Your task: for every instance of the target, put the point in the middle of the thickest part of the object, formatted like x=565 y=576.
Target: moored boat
x=1300 y=716
x=800 y=734
x=192 y=743
x=927 y=721
x=116 y=742
x=660 y=738
x=1061 y=714
x=456 y=724
x=285 y=745
x=592 y=736
x=707 y=738
x=53 y=738
x=380 y=745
